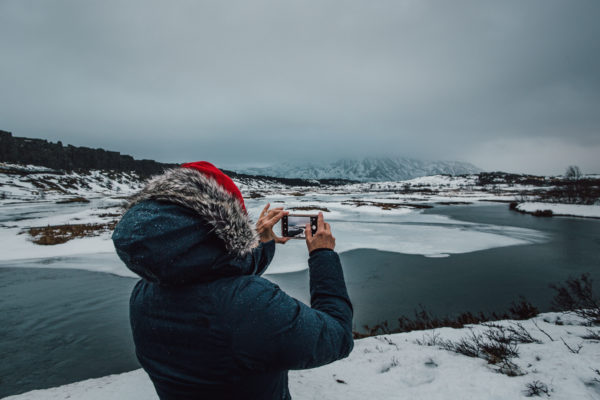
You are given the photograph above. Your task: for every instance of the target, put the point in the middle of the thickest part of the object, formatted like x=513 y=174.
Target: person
x=205 y=324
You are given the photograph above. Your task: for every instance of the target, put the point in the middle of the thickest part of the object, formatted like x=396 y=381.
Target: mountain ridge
x=376 y=169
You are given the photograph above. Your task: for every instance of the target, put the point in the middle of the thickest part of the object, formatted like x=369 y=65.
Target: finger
x=308 y=232
x=272 y=214
x=282 y=240
x=264 y=211
x=275 y=218
x=273 y=211
x=320 y=222
x=327 y=228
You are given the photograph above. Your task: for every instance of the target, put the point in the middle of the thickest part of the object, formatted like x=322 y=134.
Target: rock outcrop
x=54 y=155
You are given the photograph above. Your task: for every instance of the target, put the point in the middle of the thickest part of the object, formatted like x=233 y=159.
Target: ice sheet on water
x=425 y=239
x=402 y=230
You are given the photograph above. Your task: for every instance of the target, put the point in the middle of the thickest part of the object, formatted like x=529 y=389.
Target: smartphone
x=293 y=225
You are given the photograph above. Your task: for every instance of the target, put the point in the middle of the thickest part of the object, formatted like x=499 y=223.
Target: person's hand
x=322 y=237
x=266 y=220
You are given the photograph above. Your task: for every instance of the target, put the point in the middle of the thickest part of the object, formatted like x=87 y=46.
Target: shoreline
x=542 y=209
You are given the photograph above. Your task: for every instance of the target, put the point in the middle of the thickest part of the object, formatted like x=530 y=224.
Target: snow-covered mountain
x=365 y=170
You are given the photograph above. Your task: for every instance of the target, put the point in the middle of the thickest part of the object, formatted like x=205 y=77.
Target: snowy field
x=373 y=216
x=380 y=215
x=398 y=367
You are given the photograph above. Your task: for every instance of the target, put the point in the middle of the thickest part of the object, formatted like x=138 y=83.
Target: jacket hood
x=182 y=227
x=209 y=200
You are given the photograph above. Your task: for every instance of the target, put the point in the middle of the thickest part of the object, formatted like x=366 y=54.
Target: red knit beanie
x=211 y=171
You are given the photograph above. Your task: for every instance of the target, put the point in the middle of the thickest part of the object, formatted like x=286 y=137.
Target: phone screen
x=294 y=225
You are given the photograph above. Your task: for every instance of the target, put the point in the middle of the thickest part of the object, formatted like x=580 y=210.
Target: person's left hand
x=266 y=220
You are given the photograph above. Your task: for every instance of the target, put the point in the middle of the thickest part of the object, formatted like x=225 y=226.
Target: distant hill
x=40 y=152
x=369 y=169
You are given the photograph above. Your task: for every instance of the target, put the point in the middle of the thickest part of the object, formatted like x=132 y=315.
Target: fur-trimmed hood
x=206 y=198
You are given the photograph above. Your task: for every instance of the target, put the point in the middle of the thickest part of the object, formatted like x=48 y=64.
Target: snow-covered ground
x=376 y=215
x=397 y=367
x=31 y=183
x=571 y=210
x=355 y=225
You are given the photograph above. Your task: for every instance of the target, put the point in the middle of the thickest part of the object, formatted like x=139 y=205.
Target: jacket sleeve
x=262 y=256
x=273 y=331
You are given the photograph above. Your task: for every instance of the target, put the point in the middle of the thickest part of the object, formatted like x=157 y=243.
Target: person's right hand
x=322 y=237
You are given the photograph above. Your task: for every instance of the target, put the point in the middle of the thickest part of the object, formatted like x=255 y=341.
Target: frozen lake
x=63 y=325
x=385 y=285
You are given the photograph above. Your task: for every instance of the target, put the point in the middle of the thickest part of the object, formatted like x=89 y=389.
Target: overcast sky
x=506 y=85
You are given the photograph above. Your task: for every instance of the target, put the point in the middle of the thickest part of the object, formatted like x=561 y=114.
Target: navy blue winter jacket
x=205 y=324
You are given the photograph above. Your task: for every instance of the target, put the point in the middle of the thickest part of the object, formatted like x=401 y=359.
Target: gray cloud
x=507 y=85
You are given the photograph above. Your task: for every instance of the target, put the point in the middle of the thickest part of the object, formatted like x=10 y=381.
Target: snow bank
x=396 y=367
x=572 y=210
x=128 y=386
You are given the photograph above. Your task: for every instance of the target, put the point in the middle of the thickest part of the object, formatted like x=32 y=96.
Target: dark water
x=60 y=326
x=385 y=285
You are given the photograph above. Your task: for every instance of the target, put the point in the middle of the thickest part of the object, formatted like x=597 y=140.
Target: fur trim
x=194 y=190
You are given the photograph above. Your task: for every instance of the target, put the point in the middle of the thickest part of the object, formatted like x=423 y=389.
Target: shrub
x=423 y=319
x=536 y=388
x=576 y=295
x=523 y=309
x=429 y=340
x=575 y=349
x=497 y=344
x=515 y=333
x=591 y=335
x=492 y=345
x=542 y=213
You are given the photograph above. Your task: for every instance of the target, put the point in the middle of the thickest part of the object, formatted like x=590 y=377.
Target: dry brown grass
x=78 y=199
x=423 y=319
x=109 y=215
x=309 y=208
x=57 y=234
x=384 y=206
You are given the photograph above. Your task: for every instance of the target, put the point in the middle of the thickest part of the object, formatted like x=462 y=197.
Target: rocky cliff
x=54 y=155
